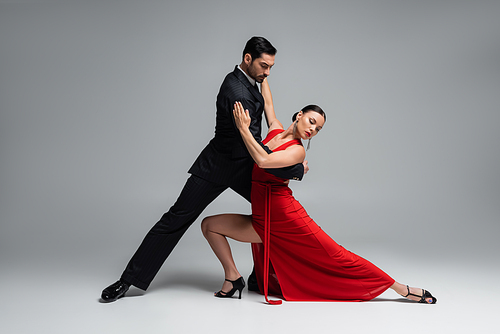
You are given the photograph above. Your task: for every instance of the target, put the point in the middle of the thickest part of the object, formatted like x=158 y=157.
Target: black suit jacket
x=225 y=160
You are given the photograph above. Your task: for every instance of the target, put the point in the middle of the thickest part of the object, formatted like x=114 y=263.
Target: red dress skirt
x=304 y=263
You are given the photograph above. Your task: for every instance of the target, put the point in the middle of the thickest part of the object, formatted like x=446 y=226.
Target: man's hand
x=306 y=167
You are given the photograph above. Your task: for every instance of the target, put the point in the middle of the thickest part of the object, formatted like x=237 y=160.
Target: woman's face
x=309 y=124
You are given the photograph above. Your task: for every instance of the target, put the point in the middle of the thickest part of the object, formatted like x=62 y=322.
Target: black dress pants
x=196 y=195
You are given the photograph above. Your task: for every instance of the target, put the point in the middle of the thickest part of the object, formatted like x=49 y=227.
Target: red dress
x=305 y=264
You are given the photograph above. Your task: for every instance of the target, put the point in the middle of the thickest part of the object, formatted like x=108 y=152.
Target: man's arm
x=295 y=172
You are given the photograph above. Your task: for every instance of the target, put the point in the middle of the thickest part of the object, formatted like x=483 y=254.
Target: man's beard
x=252 y=74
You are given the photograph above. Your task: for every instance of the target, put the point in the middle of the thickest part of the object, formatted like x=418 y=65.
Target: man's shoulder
x=232 y=78
x=234 y=85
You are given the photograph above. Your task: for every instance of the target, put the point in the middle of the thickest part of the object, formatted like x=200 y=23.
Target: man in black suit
x=224 y=163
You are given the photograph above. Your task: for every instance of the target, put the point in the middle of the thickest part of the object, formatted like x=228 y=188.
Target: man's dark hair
x=256 y=46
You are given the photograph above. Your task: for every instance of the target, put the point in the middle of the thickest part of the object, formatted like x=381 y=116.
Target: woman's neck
x=288 y=133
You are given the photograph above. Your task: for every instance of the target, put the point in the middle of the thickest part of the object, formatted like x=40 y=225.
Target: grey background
x=105 y=105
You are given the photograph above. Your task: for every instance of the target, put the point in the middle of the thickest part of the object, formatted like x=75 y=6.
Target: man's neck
x=252 y=80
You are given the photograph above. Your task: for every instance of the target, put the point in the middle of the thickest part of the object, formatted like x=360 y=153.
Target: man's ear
x=247 y=59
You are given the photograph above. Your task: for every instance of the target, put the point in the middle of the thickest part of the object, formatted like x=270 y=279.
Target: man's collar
x=252 y=81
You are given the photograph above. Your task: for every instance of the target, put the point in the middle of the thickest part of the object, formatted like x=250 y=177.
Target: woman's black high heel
x=425 y=294
x=238 y=285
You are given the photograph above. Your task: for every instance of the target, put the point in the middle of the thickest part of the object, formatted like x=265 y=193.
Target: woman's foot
x=230 y=287
x=415 y=294
x=226 y=286
x=420 y=295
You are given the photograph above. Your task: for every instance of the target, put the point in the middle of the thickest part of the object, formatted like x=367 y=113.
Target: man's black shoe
x=252 y=282
x=114 y=291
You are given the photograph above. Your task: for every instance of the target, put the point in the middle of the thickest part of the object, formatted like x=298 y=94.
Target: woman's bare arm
x=272 y=121
x=293 y=155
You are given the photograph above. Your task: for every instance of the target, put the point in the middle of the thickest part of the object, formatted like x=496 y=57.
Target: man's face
x=260 y=68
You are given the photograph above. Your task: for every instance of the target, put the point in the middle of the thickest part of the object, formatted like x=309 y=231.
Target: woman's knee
x=206 y=224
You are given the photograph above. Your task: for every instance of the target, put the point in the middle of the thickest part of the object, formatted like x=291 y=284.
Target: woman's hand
x=241 y=117
x=289 y=157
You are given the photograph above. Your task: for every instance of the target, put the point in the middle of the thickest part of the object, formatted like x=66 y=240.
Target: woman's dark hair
x=256 y=46
x=311 y=107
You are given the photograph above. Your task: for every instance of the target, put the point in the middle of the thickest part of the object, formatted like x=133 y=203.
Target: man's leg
x=166 y=233
x=244 y=191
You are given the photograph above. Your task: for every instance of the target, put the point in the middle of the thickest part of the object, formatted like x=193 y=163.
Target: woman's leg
x=235 y=226
x=403 y=291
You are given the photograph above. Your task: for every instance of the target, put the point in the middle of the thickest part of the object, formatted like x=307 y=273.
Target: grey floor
x=63 y=297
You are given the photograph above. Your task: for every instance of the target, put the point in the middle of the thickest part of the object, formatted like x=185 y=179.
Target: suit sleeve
x=249 y=105
x=295 y=172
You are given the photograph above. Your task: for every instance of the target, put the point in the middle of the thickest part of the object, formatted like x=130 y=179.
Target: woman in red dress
x=294 y=258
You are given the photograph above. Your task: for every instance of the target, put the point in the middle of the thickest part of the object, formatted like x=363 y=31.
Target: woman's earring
x=308 y=144
x=294 y=128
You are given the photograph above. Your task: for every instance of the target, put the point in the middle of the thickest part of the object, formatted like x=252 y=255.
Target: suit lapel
x=253 y=89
